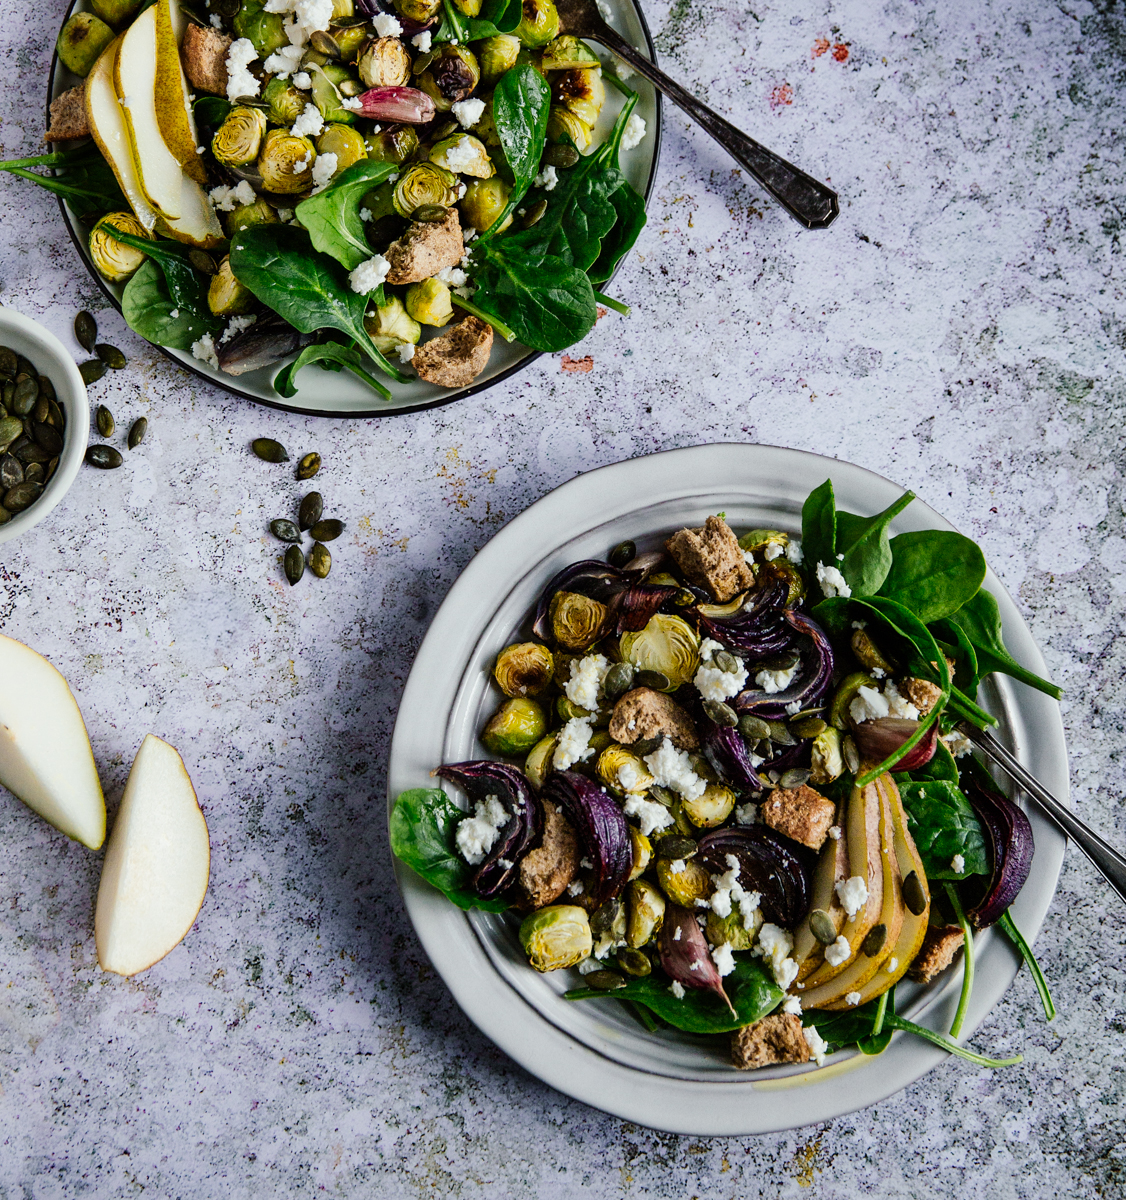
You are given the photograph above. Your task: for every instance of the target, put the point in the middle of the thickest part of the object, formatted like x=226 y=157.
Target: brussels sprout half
x=286 y=162
x=667 y=645
x=514 y=728
x=238 y=140
x=557 y=936
x=226 y=297
x=114 y=260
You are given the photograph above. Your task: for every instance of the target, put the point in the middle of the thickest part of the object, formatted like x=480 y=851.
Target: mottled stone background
x=960 y=329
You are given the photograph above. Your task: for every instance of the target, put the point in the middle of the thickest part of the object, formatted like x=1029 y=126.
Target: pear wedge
x=45 y=755
x=831 y=869
x=157 y=864
x=173 y=109
x=107 y=124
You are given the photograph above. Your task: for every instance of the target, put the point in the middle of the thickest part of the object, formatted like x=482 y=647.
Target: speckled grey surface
x=960 y=329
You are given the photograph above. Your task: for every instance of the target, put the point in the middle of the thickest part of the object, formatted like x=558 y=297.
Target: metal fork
x=802 y=196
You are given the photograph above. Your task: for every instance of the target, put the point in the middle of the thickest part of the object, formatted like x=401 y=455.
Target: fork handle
x=802 y=196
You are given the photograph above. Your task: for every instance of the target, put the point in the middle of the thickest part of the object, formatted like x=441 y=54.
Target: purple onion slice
x=812 y=682
x=1008 y=834
x=636 y=603
x=879 y=739
x=758 y=630
x=601 y=827
x=727 y=752
x=780 y=870
x=684 y=953
x=403 y=105
x=483 y=778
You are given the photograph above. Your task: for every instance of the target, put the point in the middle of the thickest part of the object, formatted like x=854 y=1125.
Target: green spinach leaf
x=151 y=312
x=83 y=178
x=424 y=824
x=521 y=106
x=863 y=541
x=211 y=110
x=943 y=823
x=617 y=243
x=819 y=528
x=933 y=572
x=952 y=640
x=854 y=1026
x=329 y=356
x=332 y=217
x=980 y=619
x=186 y=286
x=941 y=767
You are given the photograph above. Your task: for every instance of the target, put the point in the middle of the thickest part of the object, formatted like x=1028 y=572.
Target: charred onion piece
x=266 y=342
x=809 y=687
x=727 y=752
x=879 y=739
x=778 y=869
x=601 y=827
x=1011 y=847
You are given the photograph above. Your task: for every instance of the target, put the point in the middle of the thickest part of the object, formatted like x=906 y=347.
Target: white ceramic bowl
x=51 y=358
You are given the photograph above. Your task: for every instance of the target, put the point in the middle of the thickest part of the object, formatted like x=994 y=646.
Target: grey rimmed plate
x=341 y=394
x=594 y=1050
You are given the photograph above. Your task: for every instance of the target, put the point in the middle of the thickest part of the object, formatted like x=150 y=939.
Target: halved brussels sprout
x=238 y=140
x=642 y=849
x=342 y=10
x=226 y=297
x=286 y=102
x=326 y=93
x=563 y=125
x=265 y=30
x=246 y=216
x=384 y=62
x=826 y=763
x=577 y=621
x=537 y=766
x=868 y=653
x=81 y=42
x=712 y=808
x=464 y=154
x=114 y=260
x=345 y=142
x=349 y=39
x=390 y=327
x=452 y=75
x=730 y=929
x=645 y=908
x=422 y=12
x=683 y=880
x=424 y=183
x=496 y=55
x=581 y=91
x=610 y=767
x=782 y=568
x=524 y=669
x=539 y=23
x=567 y=53
x=469 y=8
x=429 y=302
x=393 y=144
x=514 y=728
x=668 y=645
x=483 y=202
x=555 y=937
x=759 y=539
x=286 y=162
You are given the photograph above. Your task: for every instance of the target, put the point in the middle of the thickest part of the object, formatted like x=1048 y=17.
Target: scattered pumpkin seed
x=605 y=981
x=781 y=735
x=604 y=918
x=430 y=213
x=11 y=472
x=35 y=473
x=672 y=845
x=324 y=43
x=269 y=451
x=86 y=330
x=822 y=927
x=720 y=713
x=849 y=753
x=285 y=530
x=92 y=371
x=203 y=262
x=874 y=942
x=795 y=777
x=320 y=561
x=618 y=681
x=634 y=962
x=294 y=564
x=309 y=513
x=534 y=215
x=25 y=395
x=103 y=418
x=622 y=553
x=809 y=728
x=726 y=661
x=48 y=438
x=22 y=496
x=110 y=355
x=105 y=458
x=684 y=599
x=653 y=679
x=561 y=156
x=913 y=895
x=327 y=530
x=7 y=394
x=137 y=432
x=309 y=465
x=25 y=366
x=753 y=727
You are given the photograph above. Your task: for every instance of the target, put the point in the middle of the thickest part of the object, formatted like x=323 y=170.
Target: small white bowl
x=51 y=358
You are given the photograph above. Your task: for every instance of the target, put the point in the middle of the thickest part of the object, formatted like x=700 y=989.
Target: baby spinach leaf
x=819 y=528
x=310 y=290
x=151 y=312
x=933 y=572
x=186 y=285
x=864 y=543
x=332 y=217
x=750 y=987
x=980 y=619
x=211 y=110
x=329 y=356
x=423 y=825
x=905 y=637
x=952 y=640
x=853 y=1026
x=617 y=243
x=943 y=823
x=521 y=105
x=83 y=178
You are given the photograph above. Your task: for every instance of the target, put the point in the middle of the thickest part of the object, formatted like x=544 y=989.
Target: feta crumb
x=456 y=277
x=632 y=778
x=672 y=768
x=745 y=814
x=832 y=581
x=323 y=170
x=386 y=25
x=835 y=832
x=240 y=82
x=853 y=894
x=236 y=325
x=302 y=80
x=724 y=959
x=406 y=352
x=547 y=179
x=302 y=164
x=792 y=1005
x=589 y=965
x=421 y=41
x=818 y=1047
x=227 y=199
x=957 y=743
x=852 y=998
x=892 y=966
x=775 y=944
x=284 y=61
x=651 y=816
x=793 y=552
x=575 y=888
x=477 y=834
x=586 y=678
x=633 y=132
x=868 y=705
x=574 y=744
x=309 y=123
x=174 y=314
x=676 y=867
x=587 y=864
x=676 y=936
x=727 y=891
x=677 y=989
x=622 y=69
x=715 y=684
x=776 y=681
x=461 y=155
x=369 y=275
x=365 y=214
x=793 y=708
x=773 y=550
x=468 y=112
x=216 y=21
x=839 y=952
x=958 y=864
x=899 y=705
x=204 y=350
x=352 y=103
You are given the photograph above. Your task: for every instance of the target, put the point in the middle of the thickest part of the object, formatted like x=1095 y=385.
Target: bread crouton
x=643 y=713
x=800 y=813
x=68 y=116
x=426 y=248
x=204 y=55
x=939 y=946
x=774 y=1039
x=921 y=692
x=457 y=357
x=710 y=557
x=546 y=871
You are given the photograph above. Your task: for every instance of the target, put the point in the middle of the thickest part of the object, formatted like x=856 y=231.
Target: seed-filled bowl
x=53 y=361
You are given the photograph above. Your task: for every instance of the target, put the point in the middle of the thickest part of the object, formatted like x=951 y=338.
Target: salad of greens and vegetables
x=729 y=783
x=340 y=180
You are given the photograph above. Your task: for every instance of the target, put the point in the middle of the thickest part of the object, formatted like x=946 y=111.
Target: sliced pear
x=45 y=755
x=173 y=109
x=107 y=124
x=157 y=864
x=831 y=869
x=179 y=21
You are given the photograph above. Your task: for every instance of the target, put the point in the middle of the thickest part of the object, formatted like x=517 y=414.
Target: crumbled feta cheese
x=633 y=132
x=352 y=103
x=302 y=164
x=574 y=744
x=622 y=69
x=835 y=832
x=284 y=61
x=587 y=864
x=632 y=778
x=792 y=1006
x=723 y=958
x=892 y=966
x=676 y=867
x=860 y=624
x=672 y=768
x=957 y=743
x=839 y=952
x=818 y=1047
x=677 y=989
x=285 y=215
x=852 y=998
x=776 y=681
x=793 y=708
x=832 y=581
x=607 y=944
x=793 y=552
x=586 y=679
x=421 y=41
x=773 y=550
x=749 y=558
x=709 y=648
x=853 y=894
x=651 y=816
x=323 y=170
x=309 y=123
x=227 y=199
x=369 y=275
x=204 y=350
x=216 y=21
x=958 y=864
x=589 y=965
x=715 y=684
x=746 y=814
x=879 y=673
x=455 y=277
x=575 y=888
x=728 y=891
x=406 y=351
x=676 y=936
x=868 y=705
x=386 y=25
x=236 y=325
x=899 y=705
x=461 y=156
x=477 y=834
x=240 y=82
x=365 y=214
x=547 y=179
x=174 y=314
x=775 y=944
x=302 y=80
x=468 y=112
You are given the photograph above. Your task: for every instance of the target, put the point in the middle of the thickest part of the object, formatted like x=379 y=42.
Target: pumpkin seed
x=24 y=396
x=726 y=661
x=319 y=560
x=8 y=394
x=534 y=215
x=780 y=734
x=137 y=432
x=653 y=679
x=25 y=366
x=561 y=156
x=55 y=415
x=5 y=515
x=672 y=845
x=269 y=451
x=634 y=962
x=29 y=428
x=622 y=553
x=110 y=355
x=41 y=411
x=602 y=921
x=795 y=777
x=52 y=467
x=913 y=895
x=48 y=438
x=22 y=496
x=310 y=511
x=430 y=213
x=822 y=927
x=86 y=330
x=849 y=753
x=103 y=418
x=753 y=727
x=644 y=746
x=92 y=371
x=874 y=942
x=720 y=713
x=9 y=364
x=809 y=728
x=324 y=43
x=10 y=429
x=309 y=465
x=605 y=981
x=105 y=458
x=11 y=472
x=35 y=473
x=203 y=262
x=29 y=452
x=779 y=662
x=618 y=681
x=294 y=564
x=684 y=599
x=47 y=388
x=285 y=531
x=327 y=530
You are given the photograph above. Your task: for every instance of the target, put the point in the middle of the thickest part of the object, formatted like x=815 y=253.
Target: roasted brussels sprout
x=712 y=808
x=286 y=162
x=826 y=763
x=238 y=140
x=496 y=55
x=81 y=42
x=555 y=937
x=465 y=154
x=246 y=216
x=326 y=92
x=384 y=62
x=265 y=30
x=667 y=645
x=422 y=12
x=349 y=40
x=114 y=260
x=608 y=926
x=483 y=202
x=452 y=75
x=524 y=669
x=563 y=125
x=286 y=102
x=342 y=10
x=226 y=297
x=539 y=23
x=537 y=766
x=683 y=880
x=642 y=850
x=514 y=728
x=623 y=771
x=345 y=142
x=429 y=302
x=580 y=91
x=577 y=621
x=115 y=12
x=645 y=912
x=566 y=53
x=391 y=326
x=393 y=144
x=424 y=183
x=730 y=929
x=782 y=568
x=757 y=540
x=868 y=653
x=470 y=8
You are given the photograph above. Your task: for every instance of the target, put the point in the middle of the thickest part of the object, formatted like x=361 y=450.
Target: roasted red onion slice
x=1011 y=847
x=601 y=827
x=485 y=778
x=778 y=869
x=879 y=739
x=684 y=953
x=811 y=684
x=635 y=604
x=758 y=630
x=403 y=105
x=727 y=752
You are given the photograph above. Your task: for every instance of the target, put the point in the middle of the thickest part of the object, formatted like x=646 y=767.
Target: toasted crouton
x=204 y=55
x=710 y=557
x=643 y=713
x=546 y=871
x=68 y=116
x=426 y=248
x=940 y=945
x=921 y=692
x=799 y=813
x=774 y=1039
x=457 y=357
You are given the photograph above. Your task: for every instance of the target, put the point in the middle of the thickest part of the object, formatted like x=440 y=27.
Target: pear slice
x=107 y=124
x=173 y=110
x=45 y=755
x=157 y=864
x=831 y=869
